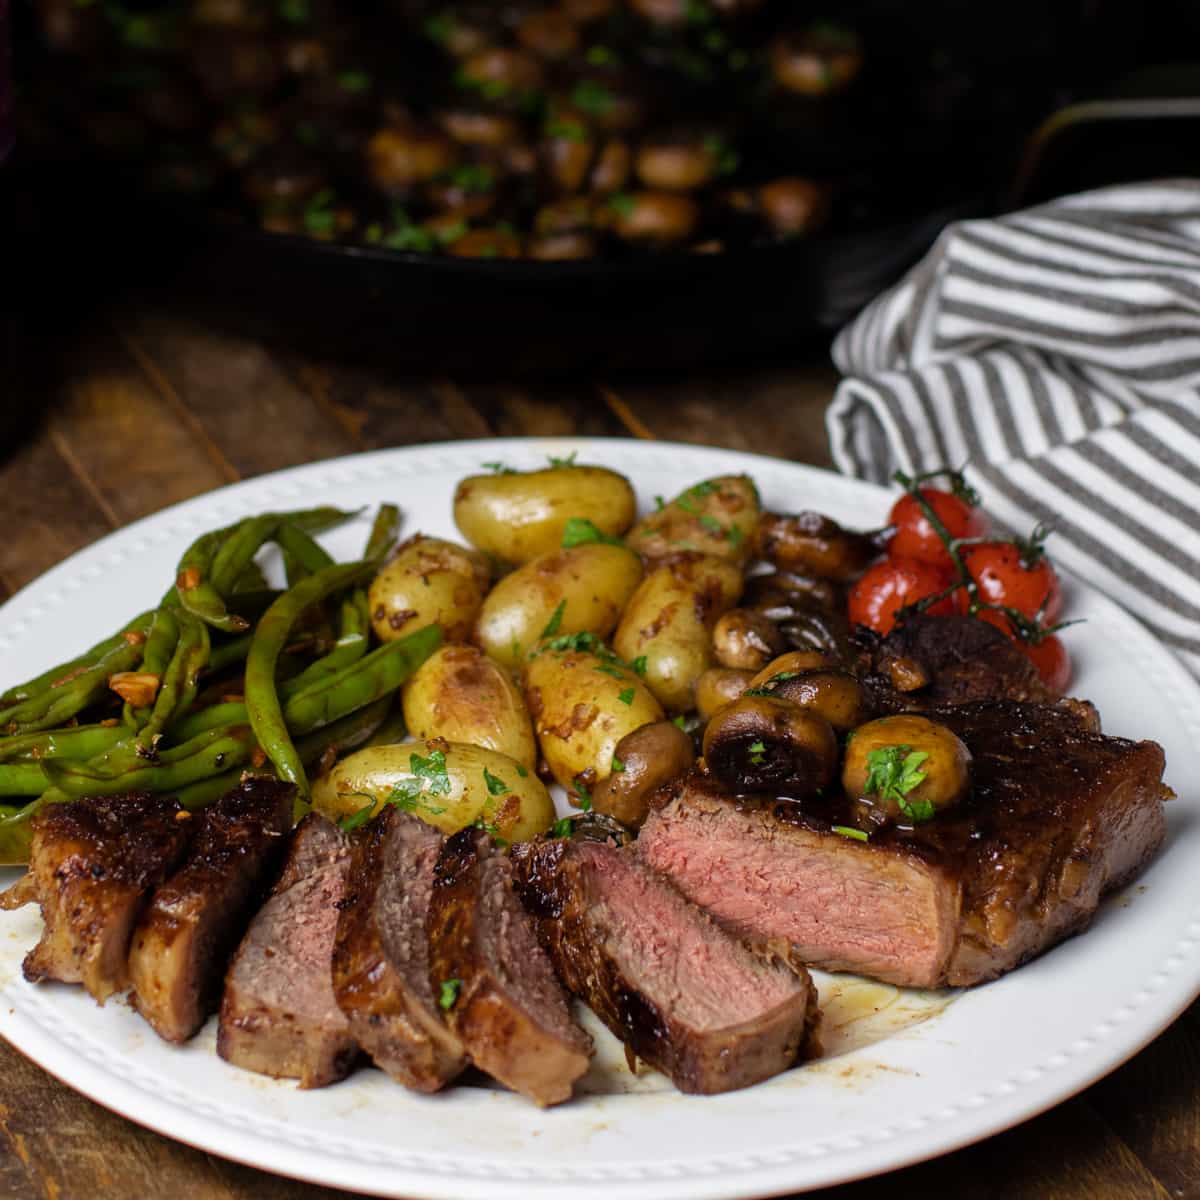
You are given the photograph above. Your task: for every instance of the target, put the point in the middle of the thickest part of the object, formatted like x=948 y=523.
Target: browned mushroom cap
x=760 y=744
x=288 y=181
x=474 y=128
x=652 y=216
x=486 y=243
x=567 y=150
x=735 y=8
x=781 y=595
x=398 y=157
x=793 y=662
x=548 y=33
x=569 y=215
x=562 y=247
x=498 y=71
x=816 y=61
x=460 y=202
x=610 y=172
x=746 y=640
x=587 y=10
x=813 y=544
x=835 y=695
x=662 y=12
x=457 y=33
x=675 y=163
x=717 y=687
x=643 y=761
x=793 y=206
x=610 y=100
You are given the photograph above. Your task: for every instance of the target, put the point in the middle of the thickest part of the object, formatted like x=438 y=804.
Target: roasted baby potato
x=517 y=515
x=583 y=589
x=460 y=694
x=717 y=517
x=583 y=704
x=668 y=624
x=645 y=759
x=427 y=582
x=446 y=784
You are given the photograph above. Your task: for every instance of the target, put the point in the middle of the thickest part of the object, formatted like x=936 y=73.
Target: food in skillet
x=912 y=801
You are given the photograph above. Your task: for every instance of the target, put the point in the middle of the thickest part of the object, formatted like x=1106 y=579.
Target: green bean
x=348 y=733
x=302 y=548
x=81 y=741
x=238 y=550
x=22 y=779
x=39 y=683
x=392 y=728
x=228 y=654
x=180 y=680
x=204 y=792
x=55 y=705
x=378 y=674
x=383 y=532
x=251 y=579
x=354 y=634
x=194 y=585
x=203 y=756
x=15 y=834
x=230 y=713
x=262 y=699
x=156 y=657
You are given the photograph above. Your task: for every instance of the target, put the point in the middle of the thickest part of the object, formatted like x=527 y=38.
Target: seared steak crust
x=93 y=862
x=677 y=989
x=381 y=955
x=278 y=1015
x=1057 y=816
x=193 y=922
x=505 y=1002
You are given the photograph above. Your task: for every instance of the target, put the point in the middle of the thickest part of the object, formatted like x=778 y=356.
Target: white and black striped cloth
x=1057 y=352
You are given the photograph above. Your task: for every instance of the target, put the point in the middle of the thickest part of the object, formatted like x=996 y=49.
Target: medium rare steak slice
x=92 y=864
x=494 y=980
x=381 y=955
x=1057 y=816
x=675 y=987
x=278 y=1015
x=187 y=932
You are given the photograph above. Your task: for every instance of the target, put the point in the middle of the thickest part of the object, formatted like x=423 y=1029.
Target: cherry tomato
x=892 y=584
x=1002 y=578
x=916 y=538
x=1052 y=661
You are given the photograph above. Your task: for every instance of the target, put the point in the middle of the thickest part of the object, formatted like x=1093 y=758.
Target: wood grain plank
x=557 y=408
x=123 y=441
x=775 y=410
x=49 y=512
x=233 y=393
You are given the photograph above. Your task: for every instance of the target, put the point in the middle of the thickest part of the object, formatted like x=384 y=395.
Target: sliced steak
x=381 y=955
x=92 y=865
x=675 y=987
x=1057 y=816
x=278 y=1015
x=500 y=992
x=187 y=932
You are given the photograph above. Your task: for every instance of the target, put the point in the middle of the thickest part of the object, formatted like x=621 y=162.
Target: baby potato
x=428 y=582
x=717 y=517
x=580 y=590
x=669 y=621
x=583 y=704
x=517 y=515
x=460 y=694
x=446 y=784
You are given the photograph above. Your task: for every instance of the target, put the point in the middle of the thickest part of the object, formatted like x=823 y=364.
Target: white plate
x=997 y=1055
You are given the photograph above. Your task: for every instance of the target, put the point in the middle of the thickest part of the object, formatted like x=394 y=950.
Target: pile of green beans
x=61 y=737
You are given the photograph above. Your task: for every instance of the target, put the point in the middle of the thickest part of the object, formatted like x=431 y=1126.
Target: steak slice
x=278 y=1015
x=187 y=932
x=1057 y=816
x=92 y=864
x=485 y=964
x=675 y=987
x=381 y=955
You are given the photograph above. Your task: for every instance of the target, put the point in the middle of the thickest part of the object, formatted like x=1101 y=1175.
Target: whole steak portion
x=1057 y=816
x=278 y=1015
x=381 y=955
x=494 y=980
x=675 y=987
x=194 y=920
x=92 y=865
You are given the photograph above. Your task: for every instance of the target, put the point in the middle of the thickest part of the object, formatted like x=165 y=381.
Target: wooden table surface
x=151 y=409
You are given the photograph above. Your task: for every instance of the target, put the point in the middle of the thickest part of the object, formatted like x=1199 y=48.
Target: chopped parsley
x=568 y=131
x=609 y=669
x=498 y=468
x=555 y=622
x=659 y=504
x=712 y=525
x=758 y=753
x=626 y=696
x=562 y=828
x=700 y=490
x=522 y=771
x=430 y=779
x=623 y=204
x=617 y=765
x=735 y=535
x=583 y=796
x=295 y=11
x=893 y=772
x=639 y=665
x=473 y=177
x=848 y=831
x=722 y=153
x=682 y=502
x=439 y=27
x=448 y=993
x=495 y=785
x=593 y=98
x=579 y=531
x=602 y=56
x=354 y=81
x=490 y=828
x=356 y=820
x=680 y=723
x=569 y=461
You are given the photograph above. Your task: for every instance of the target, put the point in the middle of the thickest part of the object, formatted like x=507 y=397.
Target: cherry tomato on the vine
x=1052 y=661
x=893 y=584
x=916 y=538
x=1031 y=586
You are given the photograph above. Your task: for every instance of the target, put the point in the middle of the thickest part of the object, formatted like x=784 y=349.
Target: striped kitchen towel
x=1057 y=352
